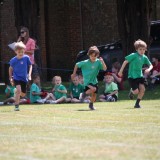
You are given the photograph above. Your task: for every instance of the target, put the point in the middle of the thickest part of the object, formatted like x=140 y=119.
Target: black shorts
x=134 y=83
x=114 y=96
x=22 y=84
x=94 y=85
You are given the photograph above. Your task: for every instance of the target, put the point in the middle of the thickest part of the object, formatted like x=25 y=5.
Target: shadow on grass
x=81 y=110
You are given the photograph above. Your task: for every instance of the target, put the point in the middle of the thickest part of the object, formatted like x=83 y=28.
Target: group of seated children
x=59 y=92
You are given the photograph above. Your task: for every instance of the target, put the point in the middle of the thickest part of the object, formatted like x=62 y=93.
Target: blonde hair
x=93 y=49
x=139 y=43
x=55 y=77
x=19 y=45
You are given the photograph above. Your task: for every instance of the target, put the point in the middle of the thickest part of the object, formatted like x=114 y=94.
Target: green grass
x=115 y=131
x=71 y=132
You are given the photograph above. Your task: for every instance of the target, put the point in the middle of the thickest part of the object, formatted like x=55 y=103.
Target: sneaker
x=42 y=101
x=91 y=107
x=16 y=108
x=82 y=96
x=86 y=101
x=137 y=106
x=53 y=102
x=131 y=95
x=1 y=103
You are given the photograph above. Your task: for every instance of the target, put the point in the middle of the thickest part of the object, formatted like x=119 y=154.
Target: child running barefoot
x=90 y=69
x=18 y=72
x=135 y=76
x=111 y=89
x=36 y=93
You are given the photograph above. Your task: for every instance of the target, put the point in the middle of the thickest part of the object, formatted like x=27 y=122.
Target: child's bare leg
x=60 y=100
x=140 y=95
x=17 y=95
x=75 y=100
x=9 y=100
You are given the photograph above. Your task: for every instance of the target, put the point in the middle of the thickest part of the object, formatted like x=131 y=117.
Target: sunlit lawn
x=115 y=131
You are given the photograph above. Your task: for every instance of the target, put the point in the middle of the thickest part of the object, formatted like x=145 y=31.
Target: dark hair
x=25 y=39
x=35 y=76
x=93 y=49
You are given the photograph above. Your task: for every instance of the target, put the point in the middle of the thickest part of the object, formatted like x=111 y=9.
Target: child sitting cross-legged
x=59 y=91
x=111 y=89
x=36 y=94
x=76 y=89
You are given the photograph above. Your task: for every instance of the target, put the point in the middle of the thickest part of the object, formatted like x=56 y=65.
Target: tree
x=133 y=22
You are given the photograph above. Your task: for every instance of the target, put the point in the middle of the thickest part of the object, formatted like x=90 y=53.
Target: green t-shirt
x=136 y=62
x=12 y=88
x=76 y=90
x=111 y=87
x=90 y=70
x=59 y=94
x=34 y=88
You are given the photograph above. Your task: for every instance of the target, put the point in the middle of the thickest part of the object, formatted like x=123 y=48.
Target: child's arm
x=10 y=75
x=148 y=69
x=30 y=72
x=120 y=73
x=62 y=91
x=74 y=72
x=104 y=65
x=114 y=92
x=118 y=79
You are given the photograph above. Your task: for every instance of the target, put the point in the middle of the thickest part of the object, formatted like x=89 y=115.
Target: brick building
x=62 y=28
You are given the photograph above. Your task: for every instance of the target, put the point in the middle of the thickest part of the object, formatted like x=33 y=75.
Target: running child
x=135 y=76
x=90 y=69
x=18 y=72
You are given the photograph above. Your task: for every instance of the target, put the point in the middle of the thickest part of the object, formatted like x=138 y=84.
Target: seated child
x=12 y=99
x=117 y=79
x=111 y=89
x=9 y=91
x=76 y=88
x=155 y=72
x=59 y=91
x=36 y=93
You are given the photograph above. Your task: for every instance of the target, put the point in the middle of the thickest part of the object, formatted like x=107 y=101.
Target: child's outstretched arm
x=74 y=72
x=120 y=73
x=103 y=63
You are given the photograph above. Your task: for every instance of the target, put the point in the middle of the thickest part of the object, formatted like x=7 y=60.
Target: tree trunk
x=133 y=22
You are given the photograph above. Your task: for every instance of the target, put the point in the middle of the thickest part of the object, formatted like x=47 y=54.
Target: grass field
x=115 y=131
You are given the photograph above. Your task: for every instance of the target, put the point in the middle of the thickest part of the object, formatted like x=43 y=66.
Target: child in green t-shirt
x=36 y=93
x=135 y=76
x=76 y=88
x=111 y=89
x=9 y=91
x=90 y=69
x=59 y=91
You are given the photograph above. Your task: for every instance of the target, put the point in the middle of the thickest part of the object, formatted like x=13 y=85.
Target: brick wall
x=65 y=28
x=8 y=34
